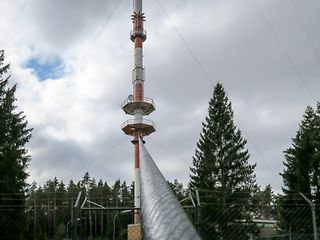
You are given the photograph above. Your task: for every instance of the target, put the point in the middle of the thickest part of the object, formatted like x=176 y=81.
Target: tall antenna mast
x=136 y=104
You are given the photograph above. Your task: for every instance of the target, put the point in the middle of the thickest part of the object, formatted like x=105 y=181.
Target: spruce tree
x=14 y=159
x=315 y=179
x=178 y=189
x=222 y=173
x=301 y=174
x=264 y=204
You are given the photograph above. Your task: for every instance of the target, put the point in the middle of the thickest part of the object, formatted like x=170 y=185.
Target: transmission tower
x=136 y=104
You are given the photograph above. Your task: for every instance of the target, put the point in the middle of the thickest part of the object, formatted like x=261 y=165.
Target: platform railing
x=145 y=99
x=136 y=32
x=133 y=121
x=162 y=216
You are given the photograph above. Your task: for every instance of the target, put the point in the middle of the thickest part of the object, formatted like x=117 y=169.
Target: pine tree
x=14 y=159
x=178 y=189
x=264 y=203
x=315 y=175
x=73 y=190
x=115 y=193
x=222 y=173
x=86 y=183
x=301 y=174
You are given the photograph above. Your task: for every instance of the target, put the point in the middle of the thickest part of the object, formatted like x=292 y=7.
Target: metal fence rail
x=162 y=216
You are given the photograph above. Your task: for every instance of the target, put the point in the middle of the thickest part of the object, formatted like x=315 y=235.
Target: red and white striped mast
x=137 y=105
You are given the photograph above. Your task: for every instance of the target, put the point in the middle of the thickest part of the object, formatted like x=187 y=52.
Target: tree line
x=53 y=204
x=231 y=198
x=49 y=207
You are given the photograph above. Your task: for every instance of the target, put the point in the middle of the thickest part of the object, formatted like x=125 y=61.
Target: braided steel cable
x=162 y=216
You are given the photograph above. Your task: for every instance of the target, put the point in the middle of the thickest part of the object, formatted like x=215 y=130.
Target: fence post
x=290 y=236
x=313 y=210
x=76 y=218
x=35 y=214
x=198 y=213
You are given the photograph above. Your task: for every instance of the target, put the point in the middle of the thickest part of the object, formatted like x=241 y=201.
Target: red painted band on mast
x=137 y=216
x=136 y=155
x=138 y=23
x=138 y=42
x=138 y=92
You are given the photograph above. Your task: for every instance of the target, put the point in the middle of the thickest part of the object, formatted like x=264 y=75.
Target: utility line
x=80 y=63
x=205 y=73
x=171 y=152
x=285 y=52
x=99 y=157
x=304 y=28
x=13 y=23
x=259 y=152
x=208 y=78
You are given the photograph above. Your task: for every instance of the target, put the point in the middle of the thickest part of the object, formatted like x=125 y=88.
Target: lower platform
x=146 y=127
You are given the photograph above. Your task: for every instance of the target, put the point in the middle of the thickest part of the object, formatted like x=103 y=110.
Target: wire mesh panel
x=162 y=215
x=12 y=226
x=134 y=232
x=278 y=221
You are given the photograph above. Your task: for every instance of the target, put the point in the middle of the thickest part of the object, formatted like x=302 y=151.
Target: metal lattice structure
x=162 y=215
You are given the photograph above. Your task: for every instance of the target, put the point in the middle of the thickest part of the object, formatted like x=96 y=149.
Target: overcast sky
x=73 y=59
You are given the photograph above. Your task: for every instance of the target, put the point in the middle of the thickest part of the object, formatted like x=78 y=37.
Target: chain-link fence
x=52 y=218
x=13 y=223
x=43 y=219
x=134 y=231
x=216 y=215
x=225 y=224
x=234 y=220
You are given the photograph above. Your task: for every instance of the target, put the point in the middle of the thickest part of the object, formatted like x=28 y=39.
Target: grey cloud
x=62 y=23
x=242 y=54
x=55 y=157
x=253 y=69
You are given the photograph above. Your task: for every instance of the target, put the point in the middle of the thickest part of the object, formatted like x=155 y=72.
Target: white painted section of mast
x=138 y=57
x=138 y=115
x=138 y=75
x=137 y=188
x=137 y=6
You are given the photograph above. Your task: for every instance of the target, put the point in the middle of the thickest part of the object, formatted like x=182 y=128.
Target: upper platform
x=147 y=106
x=136 y=33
